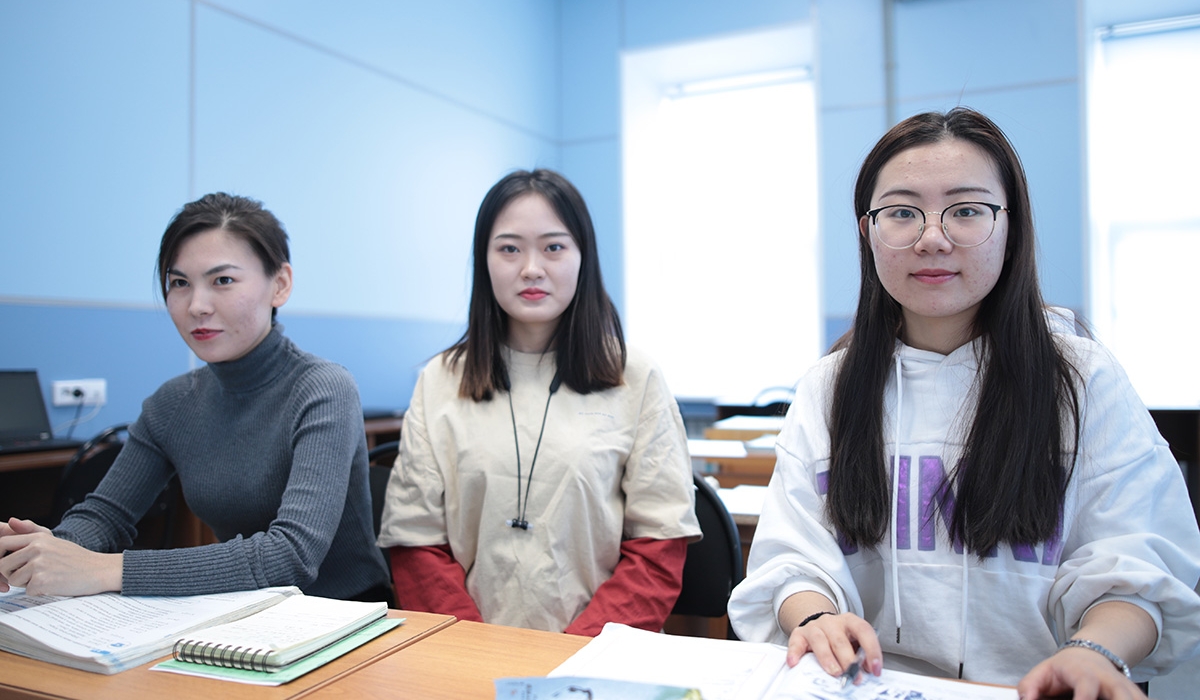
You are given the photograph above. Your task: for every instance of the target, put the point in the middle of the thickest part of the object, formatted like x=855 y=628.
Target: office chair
x=87 y=469
x=381 y=458
x=714 y=564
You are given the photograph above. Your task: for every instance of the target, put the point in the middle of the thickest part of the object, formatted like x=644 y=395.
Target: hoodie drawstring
x=962 y=637
x=896 y=497
x=962 y=642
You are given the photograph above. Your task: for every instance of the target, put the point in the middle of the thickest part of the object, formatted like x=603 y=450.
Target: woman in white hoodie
x=1037 y=530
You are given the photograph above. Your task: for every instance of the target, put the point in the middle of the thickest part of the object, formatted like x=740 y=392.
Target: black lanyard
x=520 y=520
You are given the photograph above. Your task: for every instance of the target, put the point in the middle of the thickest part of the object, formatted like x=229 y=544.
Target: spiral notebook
x=279 y=636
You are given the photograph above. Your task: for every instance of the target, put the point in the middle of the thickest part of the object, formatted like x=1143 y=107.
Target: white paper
x=770 y=424
x=716 y=449
x=743 y=499
x=731 y=670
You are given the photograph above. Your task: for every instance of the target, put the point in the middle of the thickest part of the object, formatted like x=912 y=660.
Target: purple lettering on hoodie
x=932 y=478
x=936 y=495
x=1053 y=551
x=1024 y=552
x=823 y=489
x=903 y=534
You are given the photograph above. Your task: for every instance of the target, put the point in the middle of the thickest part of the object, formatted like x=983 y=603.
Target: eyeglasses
x=966 y=224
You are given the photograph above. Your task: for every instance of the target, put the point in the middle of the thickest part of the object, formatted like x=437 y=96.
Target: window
x=722 y=266
x=1145 y=216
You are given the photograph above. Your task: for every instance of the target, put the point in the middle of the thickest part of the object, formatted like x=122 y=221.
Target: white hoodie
x=1129 y=532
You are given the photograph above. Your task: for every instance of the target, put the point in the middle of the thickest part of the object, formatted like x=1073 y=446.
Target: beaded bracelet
x=814 y=616
x=1088 y=644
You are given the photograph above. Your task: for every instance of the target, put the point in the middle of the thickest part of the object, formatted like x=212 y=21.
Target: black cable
x=78 y=409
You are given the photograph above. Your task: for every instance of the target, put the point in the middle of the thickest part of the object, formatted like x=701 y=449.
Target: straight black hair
x=240 y=216
x=1017 y=462
x=589 y=346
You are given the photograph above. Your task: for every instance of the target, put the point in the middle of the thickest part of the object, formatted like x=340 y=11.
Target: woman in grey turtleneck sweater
x=267 y=441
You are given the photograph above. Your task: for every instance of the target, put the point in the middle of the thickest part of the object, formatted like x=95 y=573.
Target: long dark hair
x=589 y=347
x=1019 y=452
x=240 y=216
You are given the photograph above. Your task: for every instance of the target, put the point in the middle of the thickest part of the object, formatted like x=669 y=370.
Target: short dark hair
x=240 y=216
x=1016 y=462
x=588 y=343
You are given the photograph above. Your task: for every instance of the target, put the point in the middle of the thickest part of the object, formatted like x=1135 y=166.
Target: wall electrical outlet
x=72 y=392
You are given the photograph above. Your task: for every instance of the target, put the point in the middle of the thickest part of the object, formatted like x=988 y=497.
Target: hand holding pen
x=840 y=642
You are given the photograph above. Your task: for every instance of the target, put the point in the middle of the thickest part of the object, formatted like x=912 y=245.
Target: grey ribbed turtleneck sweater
x=271 y=454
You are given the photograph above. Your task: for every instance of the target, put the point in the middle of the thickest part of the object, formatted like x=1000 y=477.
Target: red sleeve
x=430 y=579
x=642 y=590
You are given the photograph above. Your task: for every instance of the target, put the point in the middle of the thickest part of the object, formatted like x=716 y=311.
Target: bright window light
x=721 y=257
x=1144 y=213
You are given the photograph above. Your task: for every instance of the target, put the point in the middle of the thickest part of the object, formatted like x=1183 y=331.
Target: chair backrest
x=714 y=564
x=83 y=473
x=87 y=469
x=381 y=458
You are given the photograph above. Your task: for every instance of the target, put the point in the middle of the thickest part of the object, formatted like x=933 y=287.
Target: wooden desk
x=384 y=429
x=755 y=469
x=35 y=460
x=27 y=483
x=460 y=661
x=25 y=678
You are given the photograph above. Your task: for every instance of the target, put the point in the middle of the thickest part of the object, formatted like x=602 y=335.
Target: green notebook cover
x=287 y=673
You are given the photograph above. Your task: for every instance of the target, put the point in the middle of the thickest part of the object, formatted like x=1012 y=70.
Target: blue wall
x=372 y=128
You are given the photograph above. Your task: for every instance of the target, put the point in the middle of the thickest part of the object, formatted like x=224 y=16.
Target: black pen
x=855 y=667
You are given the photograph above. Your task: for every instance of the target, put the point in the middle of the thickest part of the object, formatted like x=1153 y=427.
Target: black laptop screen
x=22 y=408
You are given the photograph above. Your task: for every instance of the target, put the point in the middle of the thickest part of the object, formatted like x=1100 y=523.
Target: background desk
x=753 y=468
x=25 y=678
x=49 y=459
x=28 y=481
x=460 y=661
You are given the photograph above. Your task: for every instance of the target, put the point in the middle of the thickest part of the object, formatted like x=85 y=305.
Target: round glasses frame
x=874 y=214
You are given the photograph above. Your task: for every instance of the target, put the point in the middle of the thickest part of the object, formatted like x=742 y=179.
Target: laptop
x=24 y=423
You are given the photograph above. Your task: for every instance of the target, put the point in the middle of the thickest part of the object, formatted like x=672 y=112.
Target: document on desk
x=109 y=632
x=730 y=670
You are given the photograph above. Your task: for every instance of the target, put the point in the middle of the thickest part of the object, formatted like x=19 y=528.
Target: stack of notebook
x=281 y=643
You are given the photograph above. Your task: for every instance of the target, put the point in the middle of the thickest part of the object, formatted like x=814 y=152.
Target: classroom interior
x=372 y=129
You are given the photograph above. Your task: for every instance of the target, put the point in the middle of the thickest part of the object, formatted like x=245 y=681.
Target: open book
x=107 y=633
x=730 y=670
x=278 y=636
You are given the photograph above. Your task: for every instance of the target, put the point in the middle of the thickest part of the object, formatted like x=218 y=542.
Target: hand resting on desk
x=833 y=639
x=34 y=559
x=1077 y=673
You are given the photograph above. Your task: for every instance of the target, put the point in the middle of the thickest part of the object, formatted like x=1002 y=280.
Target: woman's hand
x=1082 y=673
x=33 y=558
x=834 y=640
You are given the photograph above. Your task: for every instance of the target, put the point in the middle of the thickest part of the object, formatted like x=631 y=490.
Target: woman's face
x=533 y=263
x=219 y=297
x=939 y=285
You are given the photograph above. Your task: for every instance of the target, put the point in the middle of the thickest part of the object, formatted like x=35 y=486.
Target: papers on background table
x=743 y=499
x=716 y=449
x=767 y=424
x=762 y=446
x=729 y=670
